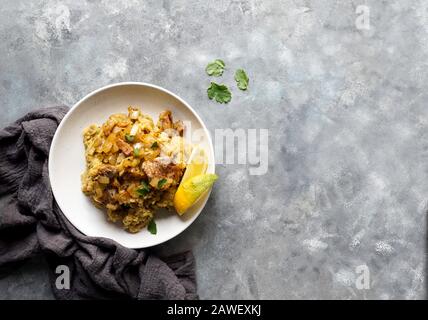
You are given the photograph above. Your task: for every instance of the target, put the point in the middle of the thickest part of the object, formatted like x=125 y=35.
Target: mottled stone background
x=346 y=111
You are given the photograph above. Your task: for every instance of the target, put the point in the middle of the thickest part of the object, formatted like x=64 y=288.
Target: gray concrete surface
x=346 y=111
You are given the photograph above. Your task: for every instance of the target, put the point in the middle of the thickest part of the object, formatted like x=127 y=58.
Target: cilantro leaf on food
x=161 y=182
x=143 y=189
x=129 y=138
x=152 y=227
x=219 y=92
x=154 y=145
x=241 y=79
x=215 y=68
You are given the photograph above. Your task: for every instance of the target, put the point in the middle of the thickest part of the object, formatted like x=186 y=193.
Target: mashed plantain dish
x=134 y=166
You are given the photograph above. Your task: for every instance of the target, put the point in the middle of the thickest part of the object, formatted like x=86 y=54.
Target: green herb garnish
x=143 y=189
x=136 y=152
x=219 y=92
x=129 y=138
x=215 y=68
x=154 y=145
x=161 y=183
x=241 y=79
x=152 y=227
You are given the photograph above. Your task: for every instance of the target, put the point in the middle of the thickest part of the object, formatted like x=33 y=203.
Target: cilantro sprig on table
x=215 y=68
x=241 y=79
x=220 y=92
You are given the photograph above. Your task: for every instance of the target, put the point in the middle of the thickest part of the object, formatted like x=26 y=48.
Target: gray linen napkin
x=31 y=223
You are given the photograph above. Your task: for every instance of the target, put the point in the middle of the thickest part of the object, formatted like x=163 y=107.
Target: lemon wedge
x=197 y=164
x=195 y=182
x=191 y=190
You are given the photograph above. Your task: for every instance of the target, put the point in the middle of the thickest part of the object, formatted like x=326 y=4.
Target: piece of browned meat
x=124 y=147
x=107 y=170
x=165 y=120
x=179 y=126
x=134 y=173
x=157 y=169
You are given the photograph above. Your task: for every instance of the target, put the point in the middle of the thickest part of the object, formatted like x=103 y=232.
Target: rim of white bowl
x=143 y=84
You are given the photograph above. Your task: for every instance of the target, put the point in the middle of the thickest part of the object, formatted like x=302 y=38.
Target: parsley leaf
x=143 y=189
x=154 y=145
x=219 y=92
x=241 y=79
x=215 y=68
x=161 y=183
x=152 y=227
x=136 y=152
x=129 y=138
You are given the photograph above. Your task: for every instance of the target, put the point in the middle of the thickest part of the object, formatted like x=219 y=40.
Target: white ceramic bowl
x=67 y=160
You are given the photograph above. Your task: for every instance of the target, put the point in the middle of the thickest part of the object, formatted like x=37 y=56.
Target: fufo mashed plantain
x=134 y=166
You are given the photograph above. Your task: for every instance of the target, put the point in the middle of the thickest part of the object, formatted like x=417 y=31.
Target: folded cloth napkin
x=31 y=223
